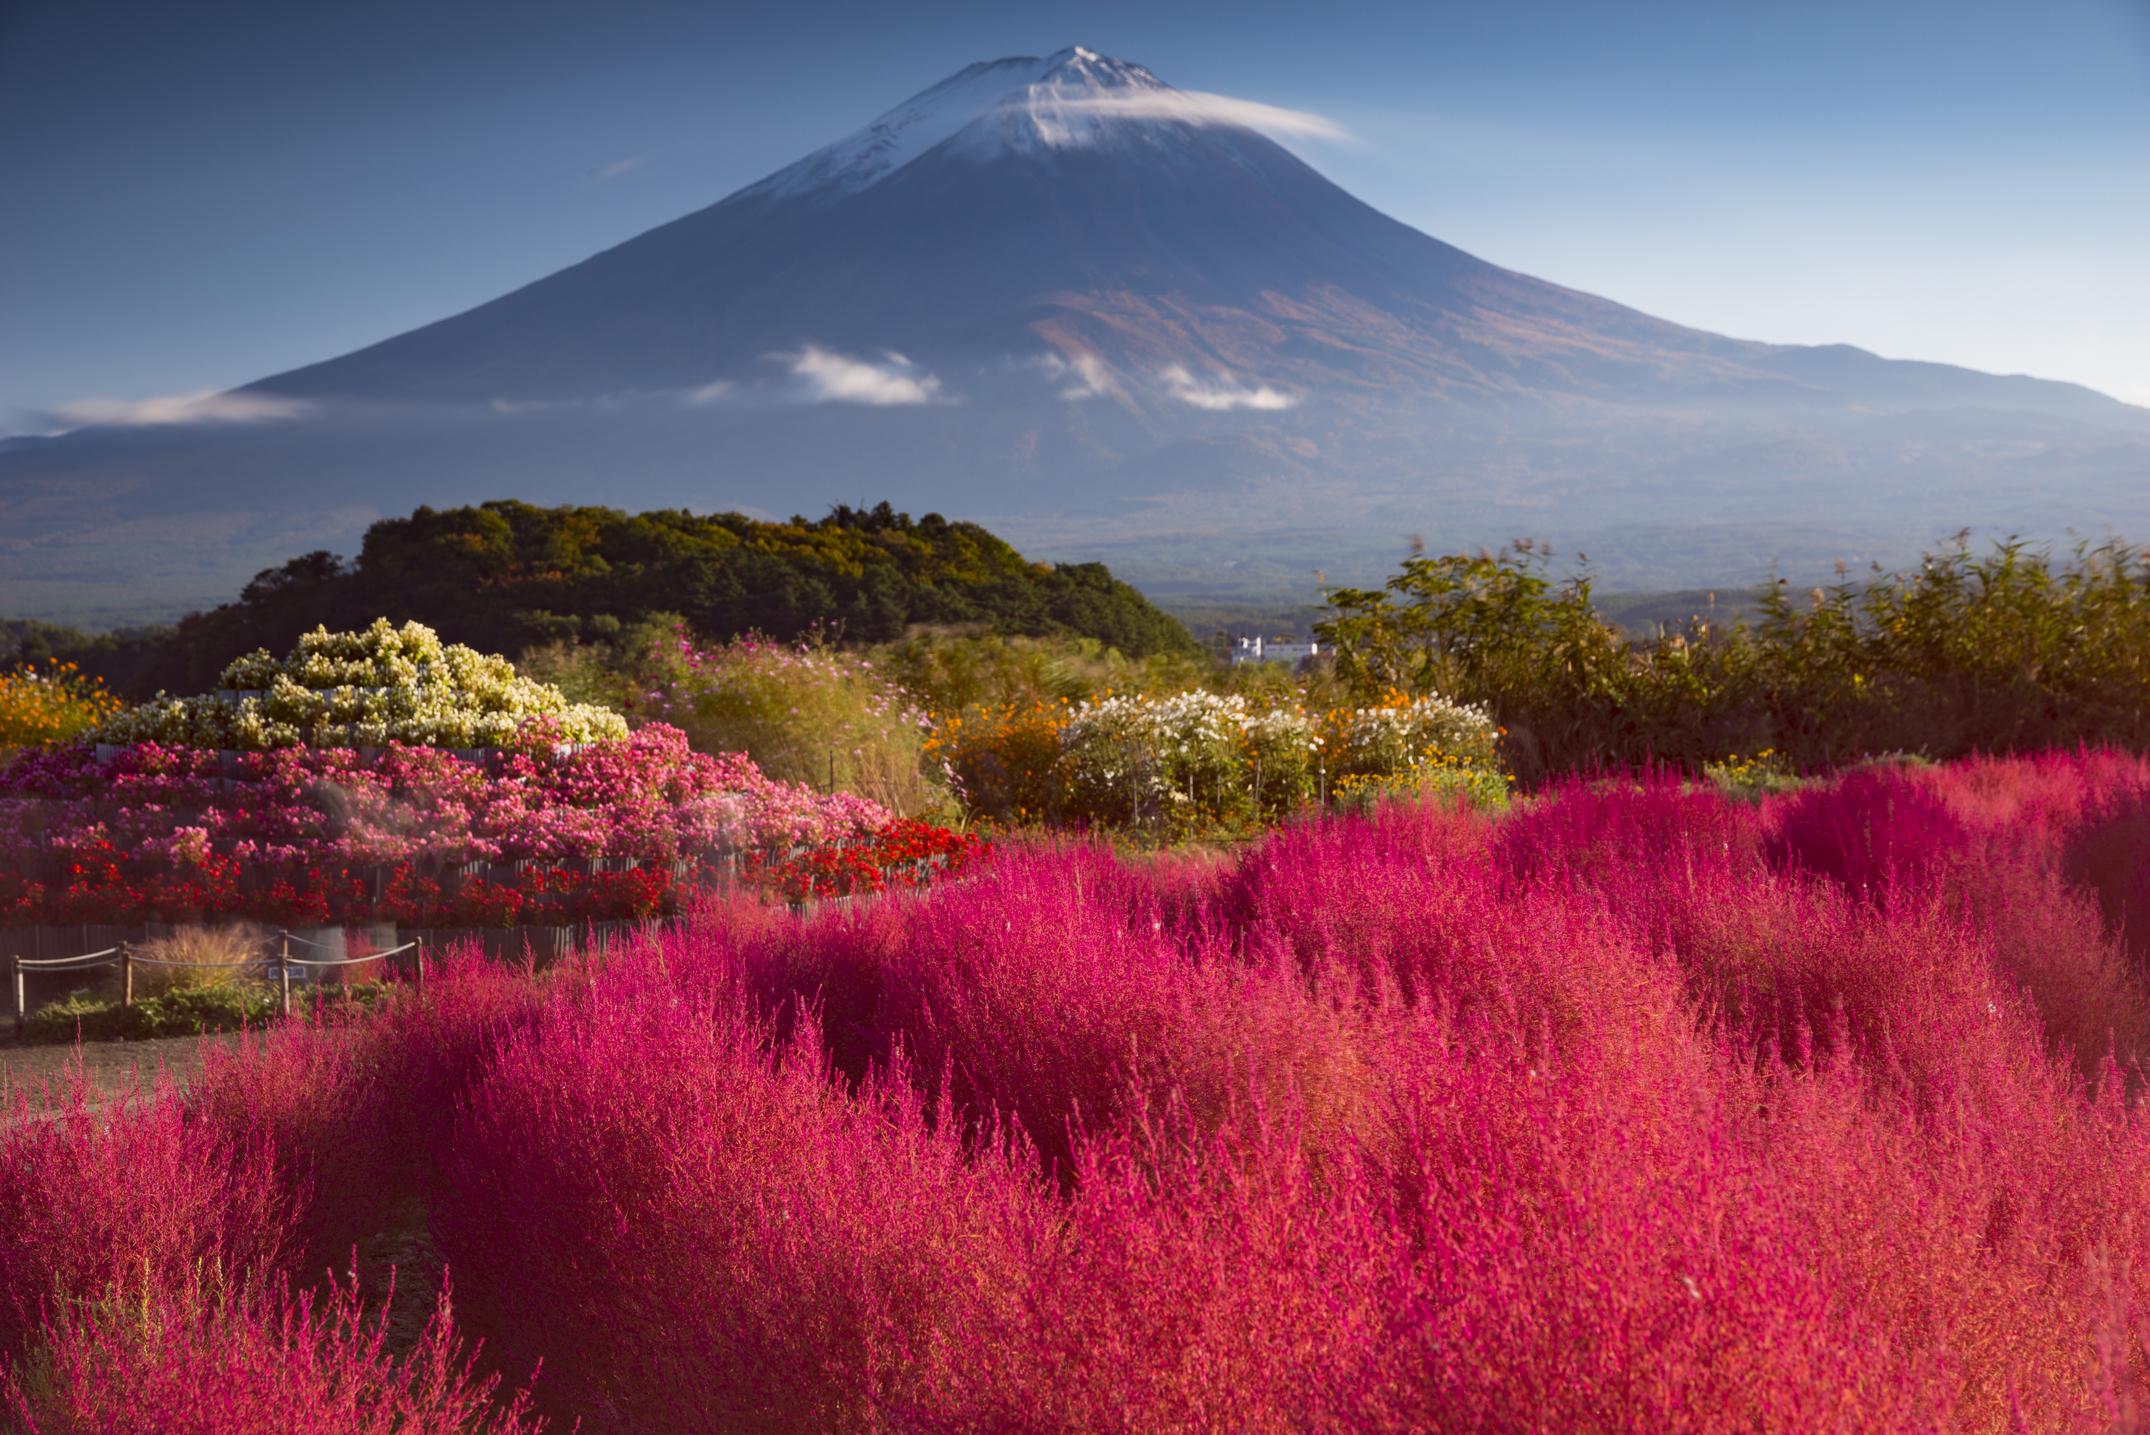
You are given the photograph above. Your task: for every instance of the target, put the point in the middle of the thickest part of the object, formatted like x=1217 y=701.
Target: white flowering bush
x=1396 y=737
x=1186 y=760
x=1195 y=760
x=1417 y=745
x=1283 y=750
x=377 y=686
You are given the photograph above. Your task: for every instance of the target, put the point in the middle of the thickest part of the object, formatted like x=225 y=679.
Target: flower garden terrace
x=541 y=834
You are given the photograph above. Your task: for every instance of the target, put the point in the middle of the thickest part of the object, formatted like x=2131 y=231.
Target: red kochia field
x=1636 y=1109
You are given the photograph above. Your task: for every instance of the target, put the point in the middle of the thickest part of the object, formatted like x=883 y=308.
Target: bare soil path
x=44 y=1071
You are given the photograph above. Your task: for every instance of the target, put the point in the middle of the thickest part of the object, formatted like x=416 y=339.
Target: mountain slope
x=1058 y=293
x=1063 y=205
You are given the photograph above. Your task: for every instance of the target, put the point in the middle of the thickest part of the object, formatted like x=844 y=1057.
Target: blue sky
x=196 y=196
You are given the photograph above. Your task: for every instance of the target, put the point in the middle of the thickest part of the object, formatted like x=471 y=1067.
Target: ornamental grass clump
x=1051 y=993
x=804 y=712
x=139 y=1193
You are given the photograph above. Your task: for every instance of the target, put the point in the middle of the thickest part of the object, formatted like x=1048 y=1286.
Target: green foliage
x=948 y=671
x=180 y=1012
x=1490 y=629
x=1752 y=778
x=1996 y=652
x=507 y=576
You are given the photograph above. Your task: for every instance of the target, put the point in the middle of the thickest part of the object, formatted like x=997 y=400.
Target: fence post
x=418 y=968
x=283 y=971
x=15 y=995
x=126 y=975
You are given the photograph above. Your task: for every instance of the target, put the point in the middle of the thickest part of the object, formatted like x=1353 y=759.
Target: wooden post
x=283 y=972
x=15 y=992
x=418 y=967
x=126 y=975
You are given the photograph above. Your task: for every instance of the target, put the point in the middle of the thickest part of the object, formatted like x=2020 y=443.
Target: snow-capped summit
x=1067 y=99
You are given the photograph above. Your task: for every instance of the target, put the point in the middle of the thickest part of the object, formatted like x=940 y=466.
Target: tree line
x=507 y=576
x=2006 y=650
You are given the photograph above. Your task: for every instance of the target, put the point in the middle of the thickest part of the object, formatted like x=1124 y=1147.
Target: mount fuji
x=1112 y=319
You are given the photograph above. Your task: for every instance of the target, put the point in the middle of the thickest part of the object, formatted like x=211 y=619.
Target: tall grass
x=806 y=712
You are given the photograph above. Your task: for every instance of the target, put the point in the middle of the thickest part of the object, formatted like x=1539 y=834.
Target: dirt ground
x=45 y=1072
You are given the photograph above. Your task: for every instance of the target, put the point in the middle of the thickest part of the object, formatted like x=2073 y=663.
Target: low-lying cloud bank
x=208 y=406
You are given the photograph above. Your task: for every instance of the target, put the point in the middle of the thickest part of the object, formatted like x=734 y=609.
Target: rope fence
x=277 y=964
x=82 y=962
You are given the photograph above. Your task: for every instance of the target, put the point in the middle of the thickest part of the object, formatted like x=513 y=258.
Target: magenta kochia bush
x=698 y=1230
x=194 y=1355
x=132 y=1194
x=352 y=1122
x=1636 y=1109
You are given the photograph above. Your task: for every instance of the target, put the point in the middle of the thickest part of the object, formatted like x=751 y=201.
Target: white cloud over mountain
x=1221 y=392
x=831 y=377
x=205 y=407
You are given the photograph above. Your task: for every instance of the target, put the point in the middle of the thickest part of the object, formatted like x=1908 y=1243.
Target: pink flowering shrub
x=305 y=835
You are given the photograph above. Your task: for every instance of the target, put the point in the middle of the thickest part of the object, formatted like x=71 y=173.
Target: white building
x=1274 y=650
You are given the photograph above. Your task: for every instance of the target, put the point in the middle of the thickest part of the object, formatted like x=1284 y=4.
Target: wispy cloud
x=708 y=393
x=206 y=407
x=1081 y=376
x=831 y=377
x=619 y=167
x=1197 y=107
x=1221 y=391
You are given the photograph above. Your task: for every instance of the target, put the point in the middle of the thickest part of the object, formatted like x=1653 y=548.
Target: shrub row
x=2005 y=651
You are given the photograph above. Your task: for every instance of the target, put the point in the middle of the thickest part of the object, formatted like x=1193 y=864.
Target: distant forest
x=507 y=576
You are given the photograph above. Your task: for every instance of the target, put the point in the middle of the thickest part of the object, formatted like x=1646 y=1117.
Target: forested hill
x=503 y=576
